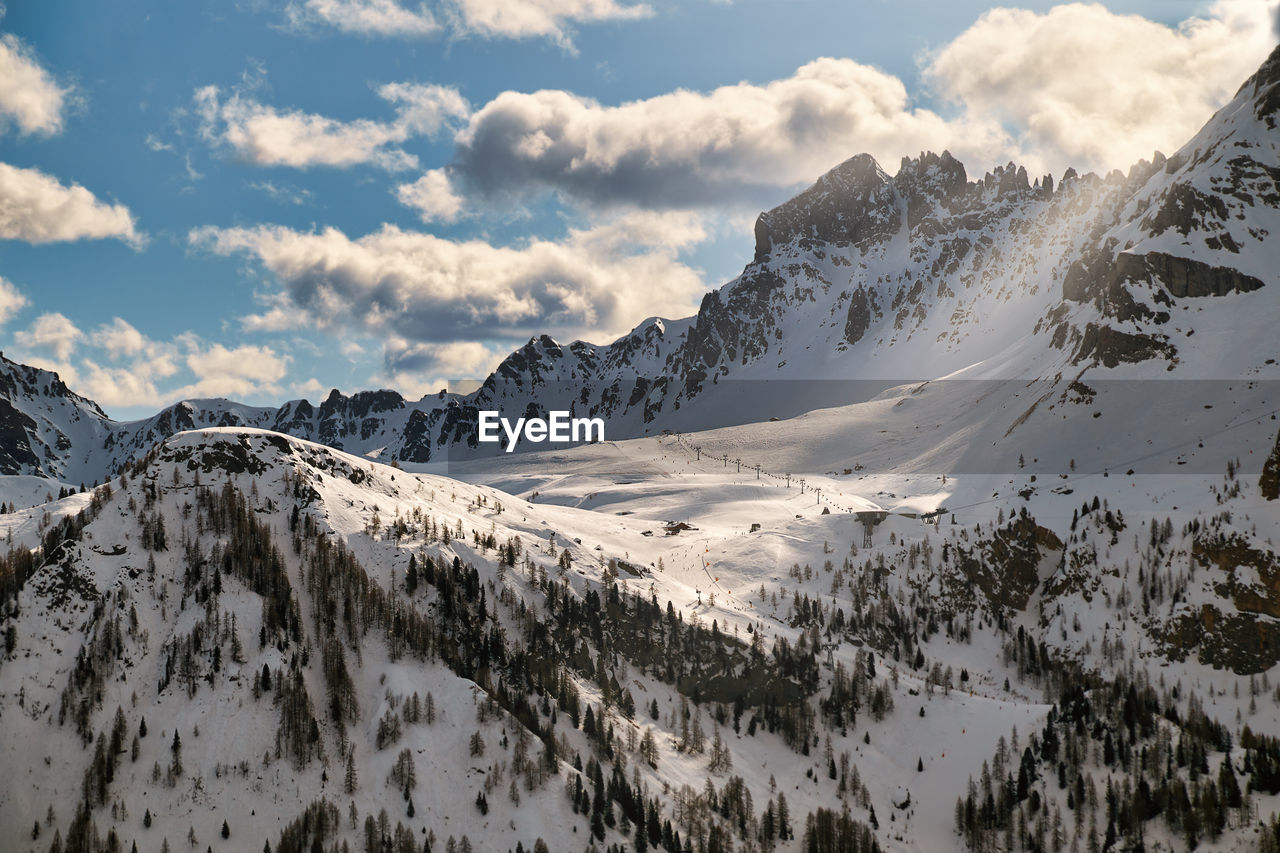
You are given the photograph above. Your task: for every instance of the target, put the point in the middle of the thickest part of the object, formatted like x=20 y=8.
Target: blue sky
x=264 y=200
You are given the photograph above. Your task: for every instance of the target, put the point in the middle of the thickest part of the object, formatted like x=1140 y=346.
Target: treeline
x=1112 y=757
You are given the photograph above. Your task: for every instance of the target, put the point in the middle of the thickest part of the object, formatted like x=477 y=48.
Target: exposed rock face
x=42 y=421
x=1110 y=347
x=1240 y=633
x=1185 y=277
x=1239 y=642
x=1185 y=209
x=1005 y=568
x=1099 y=277
x=734 y=325
x=931 y=184
x=1264 y=88
x=859 y=316
x=16 y=453
x=853 y=204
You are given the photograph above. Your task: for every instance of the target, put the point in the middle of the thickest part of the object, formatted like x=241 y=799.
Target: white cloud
x=366 y=17
x=117 y=366
x=1087 y=87
x=52 y=333
x=424 y=288
x=494 y=19
x=114 y=387
x=519 y=19
x=417 y=369
x=265 y=136
x=223 y=372
x=455 y=359
x=119 y=338
x=155 y=143
x=738 y=143
x=11 y=300
x=310 y=388
x=38 y=209
x=1078 y=85
x=128 y=368
x=28 y=93
x=433 y=197
x=282 y=193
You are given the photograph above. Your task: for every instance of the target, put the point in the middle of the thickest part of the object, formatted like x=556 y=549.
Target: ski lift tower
x=869 y=519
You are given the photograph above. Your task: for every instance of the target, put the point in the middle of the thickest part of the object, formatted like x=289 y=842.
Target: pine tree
x=784 y=818
x=350 y=782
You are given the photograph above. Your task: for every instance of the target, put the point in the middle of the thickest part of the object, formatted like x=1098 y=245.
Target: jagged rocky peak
x=851 y=204
x=360 y=404
x=930 y=180
x=32 y=382
x=1010 y=180
x=650 y=327
x=1264 y=88
x=858 y=204
x=528 y=362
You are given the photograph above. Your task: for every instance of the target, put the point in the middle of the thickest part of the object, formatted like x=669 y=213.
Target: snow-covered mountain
x=862 y=277
x=250 y=639
x=1027 y=600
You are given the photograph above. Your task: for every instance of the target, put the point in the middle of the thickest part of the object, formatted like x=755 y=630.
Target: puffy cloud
x=309 y=388
x=428 y=289
x=419 y=368
x=130 y=366
x=11 y=300
x=51 y=333
x=118 y=366
x=223 y=372
x=119 y=338
x=28 y=94
x=1084 y=86
x=423 y=109
x=265 y=136
x=737 y=143
x=216 y=372
x=433 y=197
x=36 y=208
x=1078 y=85
x=366 y=17
x=455 y=358
x=518 y=19
x=114 y=386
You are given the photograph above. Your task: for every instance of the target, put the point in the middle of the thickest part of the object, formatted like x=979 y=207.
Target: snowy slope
x=596 y=504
